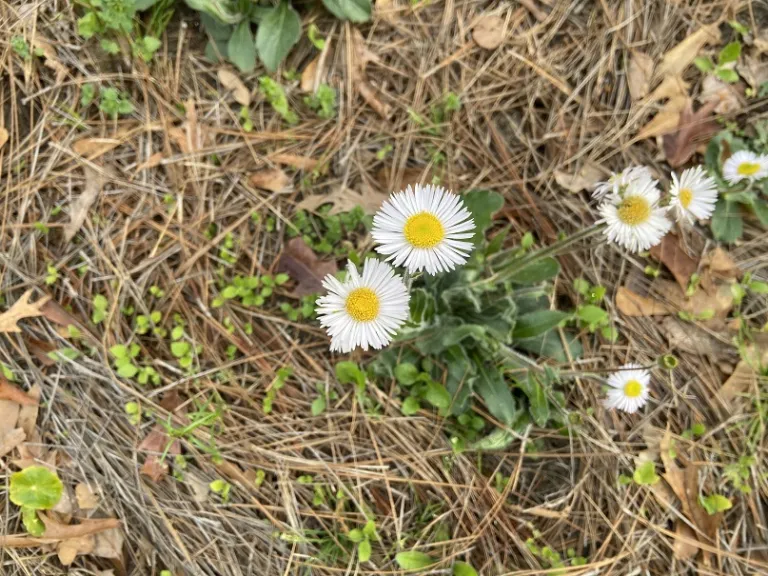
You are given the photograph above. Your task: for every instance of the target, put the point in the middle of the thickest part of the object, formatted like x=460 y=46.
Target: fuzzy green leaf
x=180 y=349
x=727 y=225
x=537 y=323
x=350 y=373
x=482 y=204
x=730 y=53
x=645 y=474
x=32 y=521
x=127 y=370
x=279 y=30
x=364 y=550
x=318 y=406
x=406 y=373
x=36 y=487
x=494 y=391
x=352 y=10
x=704 y=64
x=716 y=503
x=536 y=272
x=437 y=395
x=241 y=49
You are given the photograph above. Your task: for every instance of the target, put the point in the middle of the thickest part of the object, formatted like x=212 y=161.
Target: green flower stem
x=508 y=271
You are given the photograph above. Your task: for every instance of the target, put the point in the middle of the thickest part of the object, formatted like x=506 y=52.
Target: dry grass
x=552 y=97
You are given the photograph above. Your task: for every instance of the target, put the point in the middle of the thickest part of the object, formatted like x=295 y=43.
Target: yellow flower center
x=633 y=389
x=424 y=230
x=748 y=168
x=362 y=304
x=685 y=196
x=634 y=210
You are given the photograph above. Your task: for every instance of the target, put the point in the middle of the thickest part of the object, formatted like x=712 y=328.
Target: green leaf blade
x=352 y=10
x=241 y=48
x=414 y=560
x=537 y=323
x=278 y=31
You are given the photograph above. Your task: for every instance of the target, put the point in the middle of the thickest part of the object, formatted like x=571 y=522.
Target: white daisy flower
x=628 y=388
x=365 y=310
x=745 y=165
x=621 y=180
x=426 y=228
x=635 y=220
x=694 y=195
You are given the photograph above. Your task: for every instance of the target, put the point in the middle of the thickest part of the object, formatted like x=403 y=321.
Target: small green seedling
x=279 y=382
x=35 y=488
x=323 y=102
x=726 y=62
x=645 y=474
x=100 y=306
x=715 y=503
x=274 y=94
x=114 y=103
x=222 y=488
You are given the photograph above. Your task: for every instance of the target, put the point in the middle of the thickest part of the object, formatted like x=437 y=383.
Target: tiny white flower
x=366 y=310
x=628 y=388
x=619 y=181
x=745 y=165
x=426 y=228
x=694 y=195
x=634 y=219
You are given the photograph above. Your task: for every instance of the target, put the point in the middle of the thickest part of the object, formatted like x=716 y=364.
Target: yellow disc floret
x=748 y=168
x=634 y=210
x=685 y=196
x=424 y=230
x=633 y=389
x=362 y=304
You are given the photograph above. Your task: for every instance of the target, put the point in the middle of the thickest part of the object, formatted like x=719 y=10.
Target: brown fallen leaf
x=302 y=265
x=639 y=74
x=667 y=120
x=584 y=179
x=11 y=440
x=670 y=87
x=361 y=56
x=727 y=97
x=68 y=550
x=684 y=546
x=753 y=70
x=154 y=160
x=630 y=303
x=3 y=136
x=188 y=137
x=22 y=308
x=92 y=148
x=231 y=81
x=9 y=416
x=695 y=129
x=742 y=381
x=54 y=530
x=51 y=58
x=720 y=263
x=676 y=60
x=687 y=337
x=41 y=350
x=109 y=544
x=272 y=179
x=345 y=199
x=309 y=75
x=488 y=32
x=86 y=497
x=298 y=162
x=157 y=442
x=94 y=183
x=669 y=253
x=10 y=392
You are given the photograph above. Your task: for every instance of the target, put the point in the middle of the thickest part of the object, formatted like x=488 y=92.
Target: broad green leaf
x=278 y=31
x=241 y=49
x=459 y=378
x=494 y=391
x=406 y=373
x=318 y=406
x=536 y=272
x=369 y=530
x=221 y=10
x=410 y=406
x=482 y=204
x=355 y=535
x=727 y=75
x=727 y=225
x=32 y=521
x=730 y=53
x=350 y=373
x=127 y=370
x=414 y=560
x=591 y=314
x=109 y=46
x=704 y=64
x=180 y=349
x=715 y=503
x=645 y=474
x=537 y=323
x=36 y=487
x=353 y=10
x=550 y=345
x=88 y=25
x=422 y=306
x=119 y=351
x=437 y=395
x=364 y=550
x=463 y=569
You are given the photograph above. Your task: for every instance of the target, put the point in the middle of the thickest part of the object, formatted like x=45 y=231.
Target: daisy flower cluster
x=637 y=219
x=422 y=229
